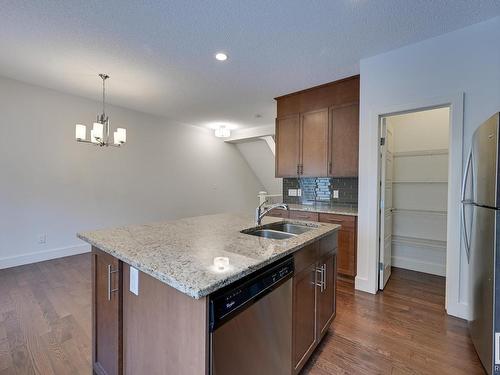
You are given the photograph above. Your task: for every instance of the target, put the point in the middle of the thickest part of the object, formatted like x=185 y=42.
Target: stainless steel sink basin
x=278 y=231
x=289 y=227
x=269 y=233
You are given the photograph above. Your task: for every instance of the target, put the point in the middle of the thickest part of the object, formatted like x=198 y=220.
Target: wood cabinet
x=313 y=143
x=288 y=145
x=347 y=245
x=303 y=215
x=304 y=315
x=314 y=293
x=317 y=131
x=279 y=212
x=326 y=299
x=344 y=140
x=106 y=314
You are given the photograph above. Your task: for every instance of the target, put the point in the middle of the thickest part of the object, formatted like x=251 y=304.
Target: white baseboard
x=418 y=265
x=40 y=256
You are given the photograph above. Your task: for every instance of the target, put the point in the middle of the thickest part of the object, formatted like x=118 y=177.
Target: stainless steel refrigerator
x=481 y=232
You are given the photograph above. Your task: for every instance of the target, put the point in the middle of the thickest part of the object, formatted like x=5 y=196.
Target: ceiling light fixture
x=99 y=134
x=221 y=56
x=222 y=132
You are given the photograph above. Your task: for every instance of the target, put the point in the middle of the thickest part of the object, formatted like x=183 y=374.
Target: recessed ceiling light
x=221 y=56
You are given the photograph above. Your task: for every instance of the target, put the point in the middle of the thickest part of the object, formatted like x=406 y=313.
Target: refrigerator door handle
x=464 y=202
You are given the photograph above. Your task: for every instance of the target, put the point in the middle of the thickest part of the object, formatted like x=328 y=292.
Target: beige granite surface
x=326 y=209
x=181 y=252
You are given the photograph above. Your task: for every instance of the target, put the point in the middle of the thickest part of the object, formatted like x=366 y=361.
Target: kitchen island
x=153 y=285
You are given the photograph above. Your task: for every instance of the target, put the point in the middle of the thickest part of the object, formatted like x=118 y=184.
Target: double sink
x=279 y=231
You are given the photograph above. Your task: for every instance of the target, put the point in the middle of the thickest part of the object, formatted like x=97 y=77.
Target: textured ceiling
x=160 y=54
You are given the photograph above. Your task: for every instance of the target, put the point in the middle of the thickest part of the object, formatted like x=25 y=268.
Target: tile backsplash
x=320 y=190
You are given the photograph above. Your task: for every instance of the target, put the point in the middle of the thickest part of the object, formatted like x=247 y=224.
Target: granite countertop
x=326 y=209
x=181 y=252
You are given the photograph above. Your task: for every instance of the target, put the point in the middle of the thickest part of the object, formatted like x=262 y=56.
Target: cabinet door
x=344 y=141
x=326 y=294
x=347 y=252
x=106 y=314
x=346 y=257
x=314 y=137
x=287 y=146
x=304 y=315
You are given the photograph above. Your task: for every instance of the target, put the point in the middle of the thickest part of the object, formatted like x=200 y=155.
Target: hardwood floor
x=45 y=325
x=45 y=318
x=403 y=330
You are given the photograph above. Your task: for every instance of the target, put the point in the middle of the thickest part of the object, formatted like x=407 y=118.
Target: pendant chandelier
x=99 y=134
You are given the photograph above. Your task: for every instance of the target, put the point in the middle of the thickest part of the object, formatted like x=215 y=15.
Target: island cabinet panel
x=344 y=140
x=164 y=330
x=106 y=314
x=304 y=312
x=326 y=295
x=347 y=243
x=287 y=146
x=314 y=145
x=314 y=293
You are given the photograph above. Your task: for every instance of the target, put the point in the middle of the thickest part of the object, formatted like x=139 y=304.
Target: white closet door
x=386 y=205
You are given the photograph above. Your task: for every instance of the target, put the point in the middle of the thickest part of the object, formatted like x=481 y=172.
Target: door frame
x=456 y=264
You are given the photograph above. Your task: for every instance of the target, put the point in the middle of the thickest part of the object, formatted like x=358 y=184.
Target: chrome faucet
x=259 y=214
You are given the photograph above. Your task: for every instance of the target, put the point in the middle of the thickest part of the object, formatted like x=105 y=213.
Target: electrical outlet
x=42 y=238
x=292 y=192
x=134 y=281
x=299 y=192
x=335 y=194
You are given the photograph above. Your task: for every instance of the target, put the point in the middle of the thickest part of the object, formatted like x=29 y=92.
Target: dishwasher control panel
x=236 y=297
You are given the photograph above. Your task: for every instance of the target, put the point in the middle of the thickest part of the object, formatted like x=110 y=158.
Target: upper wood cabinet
x=313 y=145
x=288 y=145
x=317 y=131
x=344 y=140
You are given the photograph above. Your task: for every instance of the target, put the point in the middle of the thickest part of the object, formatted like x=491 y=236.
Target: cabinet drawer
x=305 y=257
x=347 y=222
x=278 y=212
x=328 y=244
x=304 y=215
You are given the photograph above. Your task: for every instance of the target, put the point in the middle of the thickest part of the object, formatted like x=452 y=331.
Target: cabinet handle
x=329 y=167
x=302 y=169
x=324 y=276
x=321 y=283
x=110 y=271
x=298 y=169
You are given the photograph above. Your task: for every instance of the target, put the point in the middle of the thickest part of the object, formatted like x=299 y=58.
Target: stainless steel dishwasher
x=251 y=324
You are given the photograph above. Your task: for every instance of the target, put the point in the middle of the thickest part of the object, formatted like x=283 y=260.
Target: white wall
x=420 y=190
x=261 y=160
x=51 y=184
x=465 y=60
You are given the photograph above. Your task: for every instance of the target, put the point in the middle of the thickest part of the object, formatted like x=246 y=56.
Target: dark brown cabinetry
x=317 y=131
x=314 y=285
x=346 y=241
x=344 y=140
x=106 y=314
x=313 y=145
x=288 y=144
x=304 y=313
x=303 y=215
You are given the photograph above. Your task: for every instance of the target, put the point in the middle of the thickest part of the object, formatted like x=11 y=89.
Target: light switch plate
x=292 y=192
x=299 y=192
x=134 y=281
x=335 y=194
